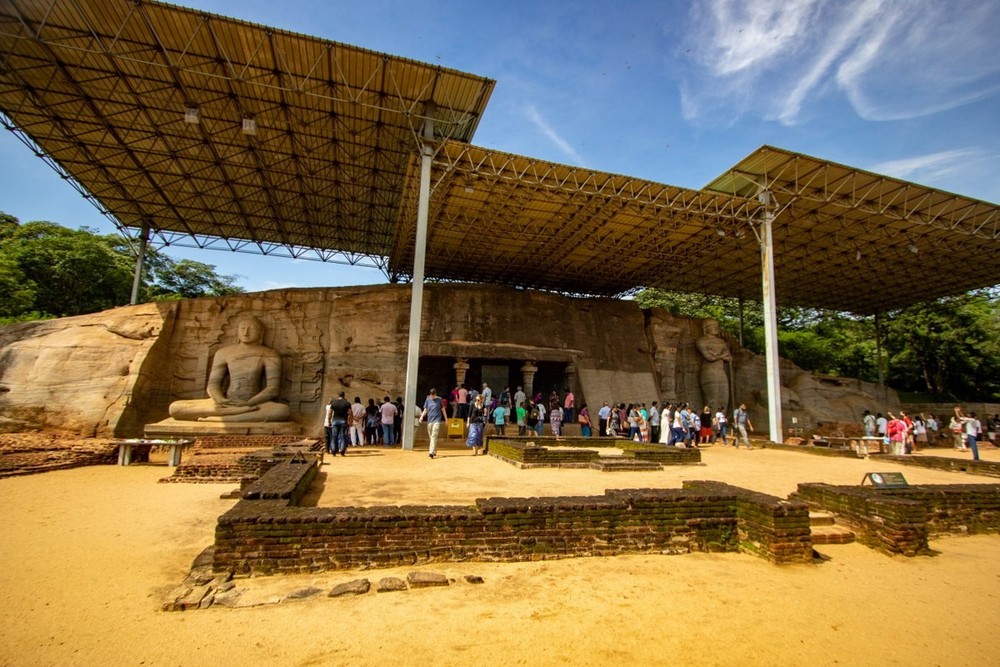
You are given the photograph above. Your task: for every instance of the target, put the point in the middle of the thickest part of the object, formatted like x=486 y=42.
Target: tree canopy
x=947 y=349
x=47 y=270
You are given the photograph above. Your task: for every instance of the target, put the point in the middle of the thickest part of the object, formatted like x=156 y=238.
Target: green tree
x=47 y=270
x=18 y=292
x=8 y=224
x=187 y=279
x=69 y=272
x=815 y=340
x=947 y=348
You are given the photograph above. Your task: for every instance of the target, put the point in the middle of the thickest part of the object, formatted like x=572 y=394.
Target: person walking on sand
x=720 y=424
x=434 y=416
x=475 y=422
x=972 y=429
x=742 y=422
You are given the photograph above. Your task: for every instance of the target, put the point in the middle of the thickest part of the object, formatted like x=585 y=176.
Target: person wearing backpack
x=531 y=420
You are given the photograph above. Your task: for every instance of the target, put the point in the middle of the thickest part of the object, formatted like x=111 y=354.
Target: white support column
x=878 y=351
x=137 y=276
x=770 y=320
x=417 y=294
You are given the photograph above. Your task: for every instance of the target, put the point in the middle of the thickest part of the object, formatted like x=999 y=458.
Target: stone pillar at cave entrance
x=461 y=367
x=528 y=371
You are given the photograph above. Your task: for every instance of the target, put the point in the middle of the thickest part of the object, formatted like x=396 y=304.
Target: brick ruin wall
x=266 y=533
x=236 y=458
x=901 y=520
x=985 y=468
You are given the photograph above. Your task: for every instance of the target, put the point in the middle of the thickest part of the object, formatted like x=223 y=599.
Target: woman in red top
x=897 y=432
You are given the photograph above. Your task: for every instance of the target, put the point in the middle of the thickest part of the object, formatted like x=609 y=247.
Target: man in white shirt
x=357 y=426
x=972 y=428
x=868 y=421
x=388 y=413
x=519 y=397
x=603 y=415
x=881 y=425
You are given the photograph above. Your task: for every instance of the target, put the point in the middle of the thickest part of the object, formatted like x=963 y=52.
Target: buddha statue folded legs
x=243 y=384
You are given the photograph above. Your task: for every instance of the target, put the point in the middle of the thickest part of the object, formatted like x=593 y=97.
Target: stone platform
x=193 y=429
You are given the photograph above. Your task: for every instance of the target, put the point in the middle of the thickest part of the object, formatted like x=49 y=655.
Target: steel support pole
x=878 y=350
x=770 y=321
x=417 y=287
x=139 y=260
x=742 y=322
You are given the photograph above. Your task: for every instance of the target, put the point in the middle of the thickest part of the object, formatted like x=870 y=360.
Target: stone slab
x=356 y=587
x=175 y=428
x=424 y=579
x=390 y=584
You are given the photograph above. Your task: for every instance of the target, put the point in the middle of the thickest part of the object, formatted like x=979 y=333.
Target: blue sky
x=670 y=91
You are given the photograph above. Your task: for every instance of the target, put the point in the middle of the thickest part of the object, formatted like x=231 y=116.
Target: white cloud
x=777 y=59
x=930 y=167
x=543 y=125
x=827 y=51
x=748 y=35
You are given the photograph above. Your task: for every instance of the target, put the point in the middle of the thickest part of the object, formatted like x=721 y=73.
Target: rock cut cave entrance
x=441 y=373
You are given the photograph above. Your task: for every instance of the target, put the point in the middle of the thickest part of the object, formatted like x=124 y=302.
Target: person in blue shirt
x=434 y=416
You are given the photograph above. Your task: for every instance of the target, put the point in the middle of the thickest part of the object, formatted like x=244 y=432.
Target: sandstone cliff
x=110 y=373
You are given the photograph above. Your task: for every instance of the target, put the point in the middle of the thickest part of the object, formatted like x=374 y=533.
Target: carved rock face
x=110 y=373
x=75 y=374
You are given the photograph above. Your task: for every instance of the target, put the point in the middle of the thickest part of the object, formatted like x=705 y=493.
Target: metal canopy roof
x=105 y=89
x=514 y=220
x=851 y=240
x=844 y=239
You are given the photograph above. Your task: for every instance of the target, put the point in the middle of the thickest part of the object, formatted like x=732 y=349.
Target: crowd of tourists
x=907 y=434
x=676 y=424
x=482 y=408
x=377 y=424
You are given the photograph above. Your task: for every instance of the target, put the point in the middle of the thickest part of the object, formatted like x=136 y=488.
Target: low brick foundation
x=900 y=521
x=769 y=527
x=836 y=452
x=532 y=452
x=235 y=458
x=985 y=468
x=266 y=533
x=33 y=453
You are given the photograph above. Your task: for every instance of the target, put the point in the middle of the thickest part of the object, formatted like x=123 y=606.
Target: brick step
x=821 y=518
x=831 y=535
x=608 y=464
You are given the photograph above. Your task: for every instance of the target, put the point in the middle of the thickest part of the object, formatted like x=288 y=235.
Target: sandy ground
x=88 y=556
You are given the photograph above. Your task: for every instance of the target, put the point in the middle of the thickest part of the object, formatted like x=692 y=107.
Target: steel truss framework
x=208 y=131
x=213 y=131
x=509 y=219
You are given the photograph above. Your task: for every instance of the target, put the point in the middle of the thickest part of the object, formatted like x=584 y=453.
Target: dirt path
x=88 y=555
